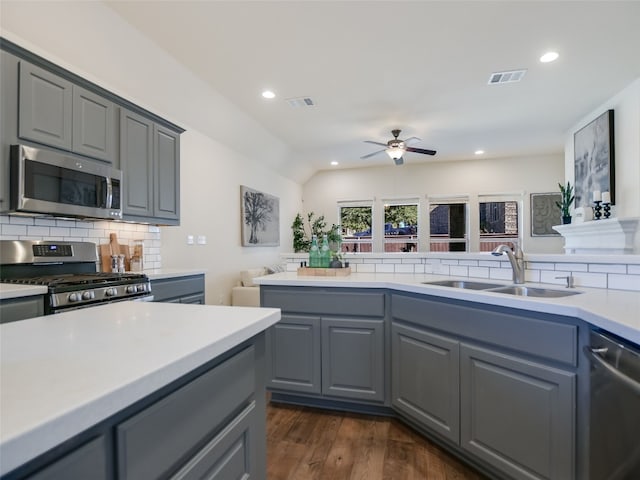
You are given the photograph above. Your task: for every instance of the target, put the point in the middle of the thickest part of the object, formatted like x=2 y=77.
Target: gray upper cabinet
x=93 y=125
x=425 y=378
x=136 y=162
x=518 y=415
x=166 y=174
x=45 y=107
x=150 y=161
x=55 y=112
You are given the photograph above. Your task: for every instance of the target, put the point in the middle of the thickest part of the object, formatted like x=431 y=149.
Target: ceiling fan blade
x=420 y=150
x=411 y=140
x=371 y=154
x=376 y=143
x=398 y=161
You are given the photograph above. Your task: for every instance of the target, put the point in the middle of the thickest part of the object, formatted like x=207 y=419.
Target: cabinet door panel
x=167 y=174
x=518 y=415
x=45 y=108
x=136 y=161
x=293 y=353
x=93 y=125
x=425 y=378
x=353 y=358
x=227 y=456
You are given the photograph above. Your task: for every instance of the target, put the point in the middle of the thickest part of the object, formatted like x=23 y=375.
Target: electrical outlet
x=202 y=240
x=190 y=240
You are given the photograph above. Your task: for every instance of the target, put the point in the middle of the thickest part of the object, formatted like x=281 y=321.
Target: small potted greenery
x=564 y=204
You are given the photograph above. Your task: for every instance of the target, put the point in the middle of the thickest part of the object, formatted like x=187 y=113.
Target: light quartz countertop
x=616 y=311
x=160 y=273
x=61 y=374
x=12 y=290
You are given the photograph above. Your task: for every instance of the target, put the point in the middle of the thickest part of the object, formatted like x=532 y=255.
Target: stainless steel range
x=69 y=271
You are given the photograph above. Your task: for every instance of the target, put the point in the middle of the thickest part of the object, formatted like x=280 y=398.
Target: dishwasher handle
x=594 y=354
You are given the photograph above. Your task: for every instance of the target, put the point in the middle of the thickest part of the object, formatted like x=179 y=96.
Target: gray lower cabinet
x=212 y=425
x=21 y=308
x=518 y=415
x=329 y=343
x=53 y=111
x=425 y=378
x=186 y=289
x=293 y=355
x=353 y=358
x=150 y=161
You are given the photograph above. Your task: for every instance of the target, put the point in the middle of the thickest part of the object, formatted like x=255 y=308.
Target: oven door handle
x=109 y=199
x=594 y=356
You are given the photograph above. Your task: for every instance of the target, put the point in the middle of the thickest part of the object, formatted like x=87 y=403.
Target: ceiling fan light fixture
x=395 y=153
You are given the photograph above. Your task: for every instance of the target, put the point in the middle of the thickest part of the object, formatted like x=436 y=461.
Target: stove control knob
x=88 y=295
x=74 y=297
x=131 y=289
x=141 y=288
x=111 y=292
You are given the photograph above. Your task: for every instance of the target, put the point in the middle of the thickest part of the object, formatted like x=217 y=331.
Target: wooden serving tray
x=324 y=272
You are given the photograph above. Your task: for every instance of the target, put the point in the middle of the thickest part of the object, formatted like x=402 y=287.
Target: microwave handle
x=109 y=192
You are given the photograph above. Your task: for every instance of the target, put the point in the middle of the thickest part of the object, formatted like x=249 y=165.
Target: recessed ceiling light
x=334 y=163
x=268 y=94
x=549 y=57
x=479 y=152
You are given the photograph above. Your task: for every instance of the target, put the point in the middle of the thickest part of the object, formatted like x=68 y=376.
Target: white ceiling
x=420 y=66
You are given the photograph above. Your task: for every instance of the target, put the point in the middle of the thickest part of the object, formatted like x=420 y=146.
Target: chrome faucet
x=516 y=260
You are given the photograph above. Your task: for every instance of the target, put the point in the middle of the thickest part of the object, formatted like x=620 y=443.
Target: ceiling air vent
x=506 y=77
x=300 y=102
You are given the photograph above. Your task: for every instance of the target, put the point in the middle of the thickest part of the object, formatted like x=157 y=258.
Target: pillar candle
x=596 y=196
x=606 y=197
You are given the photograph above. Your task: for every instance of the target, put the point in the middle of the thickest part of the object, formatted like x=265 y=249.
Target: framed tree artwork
x=593 y=151
x=260 y=218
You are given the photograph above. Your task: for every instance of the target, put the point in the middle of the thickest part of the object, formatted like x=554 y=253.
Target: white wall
x=90 y=40
x=487 y=176
x=626 y=106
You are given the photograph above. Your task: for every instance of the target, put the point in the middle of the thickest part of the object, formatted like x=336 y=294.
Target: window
x=401 y=227
x=356 y=221
x=448 y=227
x=499 y=223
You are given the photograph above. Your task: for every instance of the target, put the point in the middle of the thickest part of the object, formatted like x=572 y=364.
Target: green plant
x=302 y=233
x=567 y=199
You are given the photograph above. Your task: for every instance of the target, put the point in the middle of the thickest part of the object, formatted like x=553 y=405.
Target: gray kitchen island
x=134 y=390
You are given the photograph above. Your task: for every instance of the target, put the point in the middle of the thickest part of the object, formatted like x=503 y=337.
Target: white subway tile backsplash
x=459 y=270
x=66 y=223
x=404 y=268
x=540 y=266
x=572 y=267
x=500 y=274
x=411 y=260
x=34 y=231
x=480 y=272
x=59 y=232
x=633 y=269
x=532 y=276
x=21 y=220
x=384 y=268
x=624 y=282
x=365 y=268
x=390 y=260
x=419 y=268
x=449 y=262
x=14 y=230
x=45 y=222
x=607 y=268
x=486 y=263
x=469 y=263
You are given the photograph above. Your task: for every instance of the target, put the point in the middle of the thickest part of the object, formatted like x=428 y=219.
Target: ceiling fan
x=395 y=148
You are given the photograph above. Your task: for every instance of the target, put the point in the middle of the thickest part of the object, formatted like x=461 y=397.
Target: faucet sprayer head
x=500 y=249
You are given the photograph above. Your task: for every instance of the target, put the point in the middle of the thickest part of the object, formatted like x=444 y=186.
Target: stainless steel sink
x=523 y=291
x=464 y=284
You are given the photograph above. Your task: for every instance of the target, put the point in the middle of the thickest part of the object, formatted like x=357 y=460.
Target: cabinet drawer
x=540 y=335
x=227 y=455
x=21 y=308
x=177 y=287
x=87 y=461
x=157 y=440
x=325 y=302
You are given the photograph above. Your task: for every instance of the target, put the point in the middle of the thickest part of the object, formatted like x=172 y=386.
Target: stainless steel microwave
x=44 y=182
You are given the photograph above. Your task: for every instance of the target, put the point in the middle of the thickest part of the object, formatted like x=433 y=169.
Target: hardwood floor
x=311 y=444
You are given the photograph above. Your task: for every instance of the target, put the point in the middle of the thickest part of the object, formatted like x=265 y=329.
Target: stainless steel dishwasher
x=615 y=408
